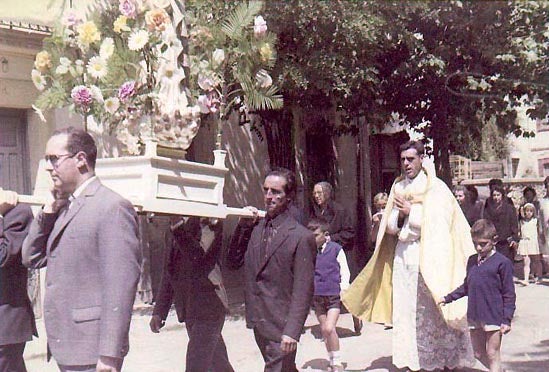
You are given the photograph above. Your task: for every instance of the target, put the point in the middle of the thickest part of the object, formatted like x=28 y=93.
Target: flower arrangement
x=137 y=70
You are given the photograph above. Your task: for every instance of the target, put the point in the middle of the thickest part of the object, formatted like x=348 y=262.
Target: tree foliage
x=444 y=67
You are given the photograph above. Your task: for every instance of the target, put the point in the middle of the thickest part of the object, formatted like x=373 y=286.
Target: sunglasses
x=54 y=160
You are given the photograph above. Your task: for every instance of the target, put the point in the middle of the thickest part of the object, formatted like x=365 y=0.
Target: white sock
x=335 y=358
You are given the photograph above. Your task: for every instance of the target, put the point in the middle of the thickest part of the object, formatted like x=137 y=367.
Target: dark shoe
x=357 y=323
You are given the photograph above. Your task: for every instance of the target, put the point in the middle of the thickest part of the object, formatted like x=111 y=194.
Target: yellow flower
x=120 y=25
x=157 y=19
x=42 y=61
x=265 y=52
x=88 y=33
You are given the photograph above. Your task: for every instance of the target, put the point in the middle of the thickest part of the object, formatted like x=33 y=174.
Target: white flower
x=112 y=104
x=131 y=141
x=195 y=111
x=263 y=78
x=138 y=40
x=97 y=67
x=530 y=55
x=484 y=85
x=39 y=113
x=169 y=37
x=506 y=57
x=418 y=35
x=160 y=3
x=472 y=82
x=38 y=80
x=260 y=26
x=96 y=93
x=79 y=67
x=204 y=104
x=64 y=65
x=107 y=48
x=218 y=56
x=61 y=70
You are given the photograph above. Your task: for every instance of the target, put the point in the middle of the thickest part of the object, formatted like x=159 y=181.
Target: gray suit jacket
x=16 y=316
x=93 y=261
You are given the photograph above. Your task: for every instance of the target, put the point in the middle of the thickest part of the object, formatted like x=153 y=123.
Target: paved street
x=525 y=349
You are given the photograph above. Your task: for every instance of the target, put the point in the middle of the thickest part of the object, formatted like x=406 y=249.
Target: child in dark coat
x=491 y=295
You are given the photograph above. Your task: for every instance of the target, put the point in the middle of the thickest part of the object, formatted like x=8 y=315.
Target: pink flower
x=260 y=26
x=71 y=18
x=128 y=8
x=205 y=83
x=82 y=96
x=127 y=90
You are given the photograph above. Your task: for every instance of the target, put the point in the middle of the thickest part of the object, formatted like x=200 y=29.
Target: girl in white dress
x=528 y=245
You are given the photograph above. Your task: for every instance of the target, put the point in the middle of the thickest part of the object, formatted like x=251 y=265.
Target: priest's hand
x=403 y=206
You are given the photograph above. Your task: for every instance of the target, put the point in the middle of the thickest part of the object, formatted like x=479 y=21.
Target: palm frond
x=241 y=17
x=265 y=99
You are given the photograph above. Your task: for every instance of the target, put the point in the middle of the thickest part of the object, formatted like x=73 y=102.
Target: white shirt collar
x=81 y=188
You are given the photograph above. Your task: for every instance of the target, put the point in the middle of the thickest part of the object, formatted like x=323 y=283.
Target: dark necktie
x=266 y=238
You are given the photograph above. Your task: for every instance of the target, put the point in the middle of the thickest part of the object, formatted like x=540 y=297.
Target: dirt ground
x=525 y=349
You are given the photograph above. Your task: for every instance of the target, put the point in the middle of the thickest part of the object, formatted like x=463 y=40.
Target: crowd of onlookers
x=522 y=225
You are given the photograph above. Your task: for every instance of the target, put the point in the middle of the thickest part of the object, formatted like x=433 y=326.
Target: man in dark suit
x=88 y=238
x=192 y=281
x=278 y=255
x=16 y=317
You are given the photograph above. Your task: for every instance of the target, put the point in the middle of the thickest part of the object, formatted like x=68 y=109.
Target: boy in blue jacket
x=491 y=295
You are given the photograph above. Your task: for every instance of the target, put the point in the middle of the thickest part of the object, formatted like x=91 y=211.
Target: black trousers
x=11 y=358
x=206 y=351
x=275 y=359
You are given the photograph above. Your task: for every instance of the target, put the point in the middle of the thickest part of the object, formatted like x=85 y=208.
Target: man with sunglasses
x=88 y=238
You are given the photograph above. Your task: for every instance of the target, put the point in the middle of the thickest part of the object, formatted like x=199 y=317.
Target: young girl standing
x=490 y=295
x=528 y=244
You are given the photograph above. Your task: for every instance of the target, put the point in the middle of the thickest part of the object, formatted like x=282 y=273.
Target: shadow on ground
x=534 y=361
x=383 y=364
x=341 y=332
x=318 y=364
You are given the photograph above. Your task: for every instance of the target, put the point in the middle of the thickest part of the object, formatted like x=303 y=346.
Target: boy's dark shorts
x=321 y=304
